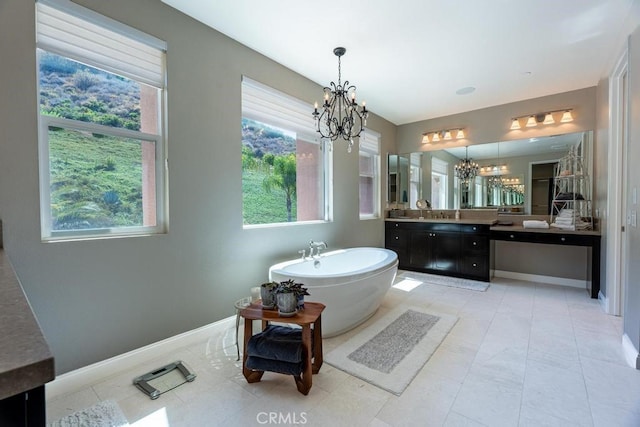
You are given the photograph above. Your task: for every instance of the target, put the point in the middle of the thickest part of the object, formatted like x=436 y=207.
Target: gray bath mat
x=392 y=350
x=104 y=414
x=434 y=279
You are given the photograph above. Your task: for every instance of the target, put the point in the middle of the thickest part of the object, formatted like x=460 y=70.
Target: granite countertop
x=478 y=221
x=26 y=361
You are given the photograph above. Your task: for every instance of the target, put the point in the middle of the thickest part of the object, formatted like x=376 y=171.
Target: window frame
x=369 y=146
x=45 y=121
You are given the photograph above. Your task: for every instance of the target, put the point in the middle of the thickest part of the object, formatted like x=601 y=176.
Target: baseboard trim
x=75 y=380
x=574 y=283
x=604 y=302
x=631 y=353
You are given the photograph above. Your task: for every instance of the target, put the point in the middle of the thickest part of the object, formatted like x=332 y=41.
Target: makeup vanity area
x=489 y=238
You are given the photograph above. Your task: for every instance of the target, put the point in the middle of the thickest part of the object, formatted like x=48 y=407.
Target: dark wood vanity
x=465 y=248
x=453 y=248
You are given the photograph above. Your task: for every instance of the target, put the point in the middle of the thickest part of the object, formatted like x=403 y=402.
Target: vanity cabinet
x=452 y=249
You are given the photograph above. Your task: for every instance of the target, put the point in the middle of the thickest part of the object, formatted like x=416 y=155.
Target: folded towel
x=262 y=364
x=532 y=223
x=278 y=343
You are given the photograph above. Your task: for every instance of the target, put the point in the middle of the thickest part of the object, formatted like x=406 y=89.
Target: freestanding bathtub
x=350 y=282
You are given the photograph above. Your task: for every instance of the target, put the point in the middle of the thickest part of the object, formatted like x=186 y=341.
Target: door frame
x=618 y=135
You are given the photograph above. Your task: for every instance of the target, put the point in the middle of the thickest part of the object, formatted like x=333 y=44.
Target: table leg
x=317 y=345
x=237 y=327
x=251 y=375
x=304 y=384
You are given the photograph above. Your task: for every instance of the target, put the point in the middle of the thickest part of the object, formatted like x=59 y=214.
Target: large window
x=369 y=171
x=439 y=183
x=285 y=170
x=101 y=88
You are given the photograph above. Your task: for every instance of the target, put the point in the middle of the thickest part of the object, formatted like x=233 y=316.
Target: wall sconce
x=445 y=134
x=490 y=170
x=545 y=118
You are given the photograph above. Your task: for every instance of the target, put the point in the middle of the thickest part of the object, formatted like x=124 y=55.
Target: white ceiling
x=408 y=58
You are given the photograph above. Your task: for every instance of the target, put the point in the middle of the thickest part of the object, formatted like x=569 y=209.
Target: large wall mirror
x=514 y=176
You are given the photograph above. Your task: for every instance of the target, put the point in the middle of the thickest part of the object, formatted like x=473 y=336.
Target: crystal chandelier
x=339 y=116
x=466 y=169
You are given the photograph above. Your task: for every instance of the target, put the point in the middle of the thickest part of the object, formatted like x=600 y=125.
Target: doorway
x=542 y=187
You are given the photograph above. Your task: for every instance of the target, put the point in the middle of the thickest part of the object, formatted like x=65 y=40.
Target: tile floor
x=521 y=354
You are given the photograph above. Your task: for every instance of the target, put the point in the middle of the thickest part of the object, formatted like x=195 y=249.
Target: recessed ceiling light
x=527 y=73
x=465 y=90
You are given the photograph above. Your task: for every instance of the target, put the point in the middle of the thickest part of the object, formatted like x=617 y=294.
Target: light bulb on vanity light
x=566 y=117
x=531 y=121
x=460 y=134
x=515 y=124
x=548 y=119
x=447 y=136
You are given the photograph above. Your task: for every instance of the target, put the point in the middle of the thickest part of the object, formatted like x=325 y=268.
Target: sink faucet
x=317 y=246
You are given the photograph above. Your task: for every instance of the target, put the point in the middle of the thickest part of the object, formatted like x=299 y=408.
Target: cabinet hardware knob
x=511 y=236
x=562 y=238
x=474 y=228
x=475 y=243
x=475 y=265
x=397 y=237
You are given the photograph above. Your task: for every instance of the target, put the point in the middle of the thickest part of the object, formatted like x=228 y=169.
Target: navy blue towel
x=261 y=364
x=278 y=343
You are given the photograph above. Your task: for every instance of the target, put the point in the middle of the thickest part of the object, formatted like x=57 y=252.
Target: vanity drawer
x=472 y=244
x=474 y=228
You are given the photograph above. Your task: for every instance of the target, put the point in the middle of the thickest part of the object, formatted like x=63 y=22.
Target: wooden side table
x=310 y=318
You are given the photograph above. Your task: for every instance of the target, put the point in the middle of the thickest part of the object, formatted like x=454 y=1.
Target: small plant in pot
x=288 y=295
x=268 y=294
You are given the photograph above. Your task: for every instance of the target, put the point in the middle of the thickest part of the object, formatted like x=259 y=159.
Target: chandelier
x=496 y=182
x=466 y=169
x=339 y=116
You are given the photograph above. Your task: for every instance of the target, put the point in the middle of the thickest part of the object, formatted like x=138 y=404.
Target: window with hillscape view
x=283 y=166
x=101 y=144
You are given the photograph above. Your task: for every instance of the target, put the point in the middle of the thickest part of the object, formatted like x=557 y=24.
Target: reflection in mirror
x=514 y=176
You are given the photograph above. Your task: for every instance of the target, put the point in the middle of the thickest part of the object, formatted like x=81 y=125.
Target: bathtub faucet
x=317 y=246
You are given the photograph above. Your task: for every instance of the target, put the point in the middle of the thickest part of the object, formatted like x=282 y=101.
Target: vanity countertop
x=26 y=361
x=553 y=230
x=478 y=221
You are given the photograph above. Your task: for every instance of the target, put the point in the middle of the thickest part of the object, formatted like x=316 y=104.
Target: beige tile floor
x=521 y=354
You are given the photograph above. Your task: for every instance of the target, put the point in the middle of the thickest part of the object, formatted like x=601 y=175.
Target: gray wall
x=632 y=297
x=98 y=298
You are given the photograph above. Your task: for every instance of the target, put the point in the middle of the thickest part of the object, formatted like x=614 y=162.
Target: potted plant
x=268 y=294
x=288 y=294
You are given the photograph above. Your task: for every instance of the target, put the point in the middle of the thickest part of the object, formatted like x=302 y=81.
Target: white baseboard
x=630 y=352
x=91 y=374
x=604 y=302
x=574 y=283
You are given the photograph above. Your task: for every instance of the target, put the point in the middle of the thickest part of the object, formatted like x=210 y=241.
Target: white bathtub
x=350 y=282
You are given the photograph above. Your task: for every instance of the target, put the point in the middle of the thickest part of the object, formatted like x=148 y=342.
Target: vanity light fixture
x=444 y=134
x=546 y=118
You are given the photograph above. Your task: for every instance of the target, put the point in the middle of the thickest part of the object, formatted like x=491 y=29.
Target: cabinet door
x=420 y=249
x=397 y=239
x=445 y=251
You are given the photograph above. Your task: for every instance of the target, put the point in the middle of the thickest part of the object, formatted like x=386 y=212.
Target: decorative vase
x=300 y=302
x=268 y=297
x=287 y=302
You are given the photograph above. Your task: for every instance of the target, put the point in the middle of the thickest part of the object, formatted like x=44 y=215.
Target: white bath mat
x=392 y=350
x=103 y=414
